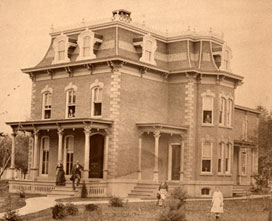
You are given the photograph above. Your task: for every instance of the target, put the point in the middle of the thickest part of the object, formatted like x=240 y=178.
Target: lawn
x=247 y=210
x=11 y=201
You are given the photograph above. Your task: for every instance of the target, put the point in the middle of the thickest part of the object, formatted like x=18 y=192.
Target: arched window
x=96 y=102
x=69 y=154
x=229 y=112
x=222 y=111
x=86 y=46
x=44 y=155
x=47 y=102
x=71 y=103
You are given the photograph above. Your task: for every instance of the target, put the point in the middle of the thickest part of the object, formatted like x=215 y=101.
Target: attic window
x=61 y=46
x=86 y=42
x=149 y=46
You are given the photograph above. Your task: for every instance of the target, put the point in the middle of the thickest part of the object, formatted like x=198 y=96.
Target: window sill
x=222 y=174
x=207 y=125
x=225 y=127
x=206 y=174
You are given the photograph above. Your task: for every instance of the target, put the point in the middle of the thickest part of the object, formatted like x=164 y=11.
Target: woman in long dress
x=60 y=178
x=217 y=203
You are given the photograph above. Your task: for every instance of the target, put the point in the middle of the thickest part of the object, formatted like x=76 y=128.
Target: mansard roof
x=121 y=39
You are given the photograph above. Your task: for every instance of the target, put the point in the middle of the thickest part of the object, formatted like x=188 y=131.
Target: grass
x=12 y=201
x=235 y=210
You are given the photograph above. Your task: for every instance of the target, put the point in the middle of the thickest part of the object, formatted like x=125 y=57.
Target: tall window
x=243 y=162
x=220 y=157
x=222 y=111
x=97 y=101
x=71 y=103
x=206 y=165
x=61 y=50
x=229 y=112
x=69 y=148
x=47 y=101
x=207 y=110
x=244 y=131
x=86 y=46
x=44 y=155
x=228 y=158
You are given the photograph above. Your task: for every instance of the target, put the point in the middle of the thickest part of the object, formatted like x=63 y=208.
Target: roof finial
x=210 y=31
x=83 y=22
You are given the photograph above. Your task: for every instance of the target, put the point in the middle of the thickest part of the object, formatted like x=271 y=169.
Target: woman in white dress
x=217 y=203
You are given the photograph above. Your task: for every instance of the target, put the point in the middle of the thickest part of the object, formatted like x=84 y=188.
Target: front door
x=176 y=162
x=96 y=156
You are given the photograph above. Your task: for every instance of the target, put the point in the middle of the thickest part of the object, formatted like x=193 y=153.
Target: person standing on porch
x=60 y=178
x=163 y=190
x=217 y=203
x=76 y=174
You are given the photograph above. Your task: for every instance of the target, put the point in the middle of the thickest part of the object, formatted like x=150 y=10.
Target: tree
x=21 y=152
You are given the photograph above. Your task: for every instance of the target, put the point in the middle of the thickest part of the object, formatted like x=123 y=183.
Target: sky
x=25 y=27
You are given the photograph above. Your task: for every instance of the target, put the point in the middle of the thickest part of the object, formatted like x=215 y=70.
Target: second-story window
x=47 y=102
x=222 y=111
x=96 y=101
x=71 y=103
x=229 y=112
x=207 y=108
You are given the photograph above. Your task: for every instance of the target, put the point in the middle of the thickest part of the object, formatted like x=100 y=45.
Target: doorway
x=96 y=156
x=175 y=159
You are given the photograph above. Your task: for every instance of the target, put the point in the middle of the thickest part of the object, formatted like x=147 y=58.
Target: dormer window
x=87 y=40
x=149 y=46
x=61 y=47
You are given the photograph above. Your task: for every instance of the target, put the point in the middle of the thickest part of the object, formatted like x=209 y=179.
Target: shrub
x=91 y=207
x=175 y=206
x=71 y=209
x=12 y=215
x=84 y=192
x=180 y=194
x=173 y=215
x=58 y=211
x=116 y=202
x=22 y=194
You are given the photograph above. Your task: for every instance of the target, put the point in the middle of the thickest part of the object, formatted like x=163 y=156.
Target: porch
x=65 y=140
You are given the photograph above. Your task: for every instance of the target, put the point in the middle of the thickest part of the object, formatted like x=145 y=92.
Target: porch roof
x=163 y=128
x=242 y=143
x=60 y=123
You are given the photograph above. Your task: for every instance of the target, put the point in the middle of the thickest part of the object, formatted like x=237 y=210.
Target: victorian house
x=135 y=107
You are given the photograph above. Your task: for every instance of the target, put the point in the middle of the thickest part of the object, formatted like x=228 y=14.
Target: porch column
x=106 y=157
x=181 y=160
x=169 y=162
x=12 y=160
x=156 y=166
x=34 y=169
x=60 y=133
x=140 y=157
x=87 y=131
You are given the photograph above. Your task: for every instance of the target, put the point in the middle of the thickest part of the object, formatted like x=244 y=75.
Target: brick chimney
x=121 y=15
